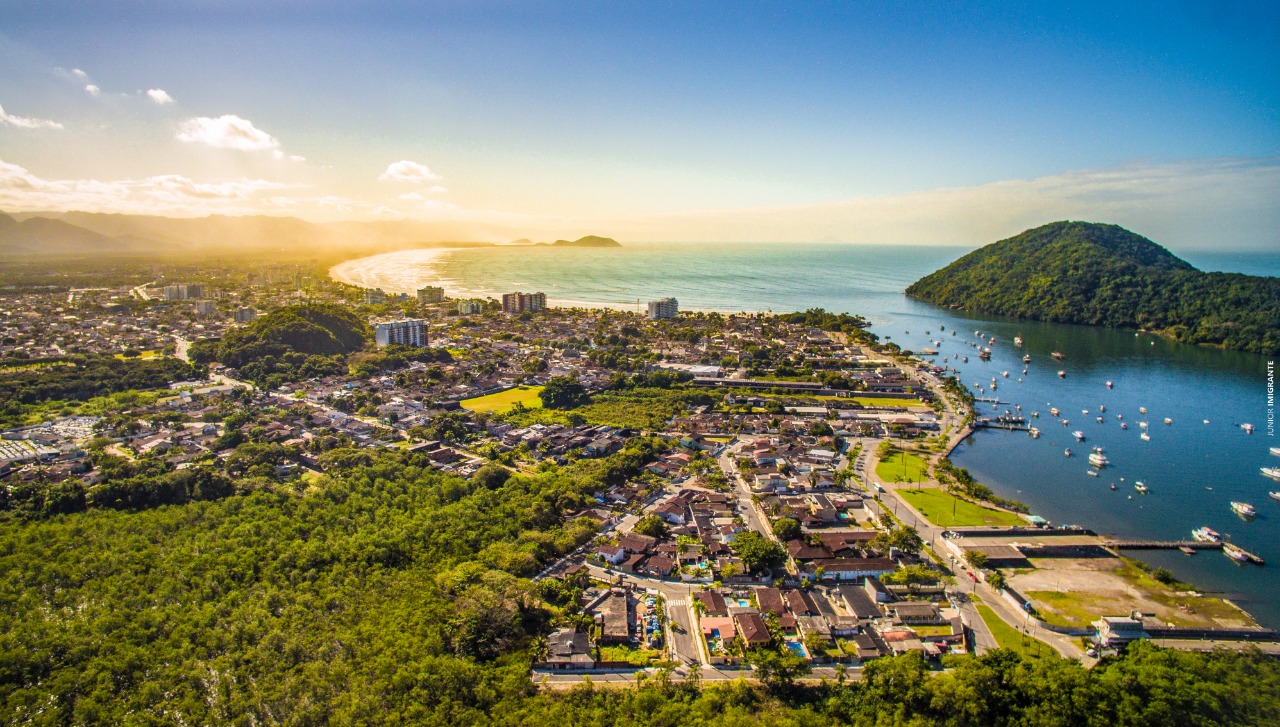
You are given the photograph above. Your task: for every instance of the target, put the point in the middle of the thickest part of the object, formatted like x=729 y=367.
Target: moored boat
x=1057 y=355
x=1275 y=451
x=1062 y=374
x=1141 y=488
x=1206 y=534
x=1274 y=496
x=1079 y=435
x=1235 y=553
x=1243 y=509
x=1272 y=472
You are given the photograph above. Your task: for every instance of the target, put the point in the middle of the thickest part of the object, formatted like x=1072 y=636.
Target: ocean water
x=1193 y=469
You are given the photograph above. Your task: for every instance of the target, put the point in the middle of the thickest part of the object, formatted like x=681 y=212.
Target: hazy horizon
x=494 y=121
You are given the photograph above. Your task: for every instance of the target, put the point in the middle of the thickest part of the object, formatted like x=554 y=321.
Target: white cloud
x=226 y=132
x=172 y=194
x=407 y=171
x=412 y=196
x=79 y=73
x=159 y=96
x=92 y=90
x=24 y=122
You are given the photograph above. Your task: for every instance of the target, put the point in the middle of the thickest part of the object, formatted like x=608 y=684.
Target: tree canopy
x=1105 y=275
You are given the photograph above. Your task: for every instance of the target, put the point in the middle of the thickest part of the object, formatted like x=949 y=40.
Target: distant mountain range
x=88 y=233
x=1105 y=275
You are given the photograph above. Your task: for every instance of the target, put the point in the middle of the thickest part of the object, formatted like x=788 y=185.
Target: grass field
x=1074 y=609
x=1010 y=638
x=504 y=400
x=884 y=401
x=144 y=355
x=946 y=510
x=902 y=467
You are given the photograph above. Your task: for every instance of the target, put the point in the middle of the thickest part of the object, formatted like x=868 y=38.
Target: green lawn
x=504 y=400
x=946 y=510
x=1072 y=610
x=884 y=401
x=903 y=467
x=1010 y=638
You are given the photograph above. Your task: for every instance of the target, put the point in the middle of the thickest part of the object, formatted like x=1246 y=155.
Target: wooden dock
x=1183 y=545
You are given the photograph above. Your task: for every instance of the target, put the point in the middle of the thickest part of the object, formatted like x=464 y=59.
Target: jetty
x=1183 y=545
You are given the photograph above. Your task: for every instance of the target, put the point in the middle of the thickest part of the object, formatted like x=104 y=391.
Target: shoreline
x=357 y=272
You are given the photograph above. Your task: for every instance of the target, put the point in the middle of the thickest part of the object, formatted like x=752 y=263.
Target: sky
x=941 y=122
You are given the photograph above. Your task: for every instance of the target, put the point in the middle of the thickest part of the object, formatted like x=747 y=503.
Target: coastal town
x=792 y=511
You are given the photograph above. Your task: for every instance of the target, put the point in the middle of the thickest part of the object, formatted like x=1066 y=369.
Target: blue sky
x=659 y=120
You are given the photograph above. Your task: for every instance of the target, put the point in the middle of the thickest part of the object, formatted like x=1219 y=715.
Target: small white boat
x=1243 y=509
x=1062 y=374
x=1206 y=421
x=1017 y=341
x=1124 y=425
x=1066 y=452
x=1235 y=553
x=1079 y=435
x=1142 y=410
x=1097 y=459
x=1145 y=437
x=1248 y=428
x=1206 y=534
x=1274 y=496
x=1084 y=411
x=1091 y=473
x=1272 y=472
x=1102 y=408
x=1275 y=451
x=1141 y=488
x=1054 y=411
x=1168 y=421
x=1034 y=433
x=1108 y=384
x=1099 y=420
x=1142 y=425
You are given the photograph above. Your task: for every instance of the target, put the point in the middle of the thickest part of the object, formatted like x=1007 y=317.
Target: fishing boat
x=1142 y=425
x=1035 y=414
x=1142 y=410
x=1062 y=374
x=1091 y=473
x=1084 y=411
x=1145 y=437
x=1097 y=458
x=1017 y=341
x=1004 y=374
x=1124 y=425
x=1108 y=384
x=1099 y=419
x=1274 y=496
x=1066 y=452
x=1235 y=553
x=1079 y=435
x=1275 y=451
x=1141 y=488
x=985 y=354
x=1026 y=358
x=1057 y=355
x=1034 y=433
x=1206 y=534
x=1243 y=509
x=1113 y=487
x=1054 y=411
x=1167 y=421
x=1102 y=408
x=1248 y=428
x=1066 y=422
x=1272 y=472
x=965 y=359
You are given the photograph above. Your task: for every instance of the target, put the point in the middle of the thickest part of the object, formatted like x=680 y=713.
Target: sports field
x=504 y=400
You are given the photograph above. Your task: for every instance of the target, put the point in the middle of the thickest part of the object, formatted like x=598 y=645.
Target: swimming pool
x=796 y=648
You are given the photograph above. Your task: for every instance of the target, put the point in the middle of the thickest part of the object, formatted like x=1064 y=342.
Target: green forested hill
x=390 y=593
x=1083 y=272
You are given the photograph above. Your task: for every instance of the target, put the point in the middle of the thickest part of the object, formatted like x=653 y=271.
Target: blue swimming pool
x=796 y=648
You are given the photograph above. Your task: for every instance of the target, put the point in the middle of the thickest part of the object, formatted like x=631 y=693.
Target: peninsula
x=1105 y=275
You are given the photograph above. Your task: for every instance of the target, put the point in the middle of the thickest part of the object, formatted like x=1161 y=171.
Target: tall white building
x=430 y=294
x=664 y=308
x=407 y=332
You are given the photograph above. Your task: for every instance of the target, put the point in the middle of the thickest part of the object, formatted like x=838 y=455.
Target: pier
x=1183 y=545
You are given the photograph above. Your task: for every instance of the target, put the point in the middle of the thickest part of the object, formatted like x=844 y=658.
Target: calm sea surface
x=1194 y=467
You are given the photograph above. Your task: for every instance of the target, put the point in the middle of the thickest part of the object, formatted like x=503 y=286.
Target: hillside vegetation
x=1105 y=275
x=297 y=341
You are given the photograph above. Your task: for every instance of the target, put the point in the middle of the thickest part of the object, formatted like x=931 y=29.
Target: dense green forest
x=1081 y=272
x=389 y=593
x=289 y=344
x=82 y=377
